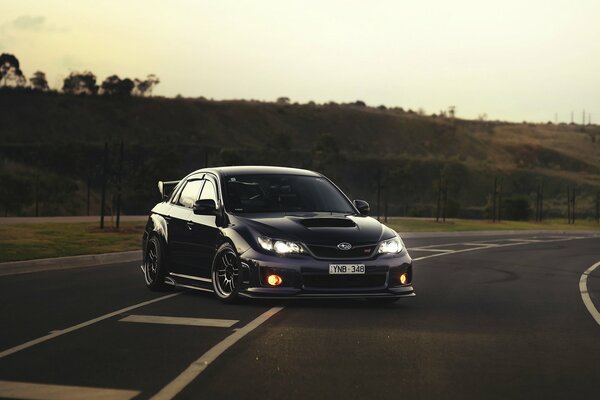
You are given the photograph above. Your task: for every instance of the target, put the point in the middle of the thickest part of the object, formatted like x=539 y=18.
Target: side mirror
x=362 y=207
x=205 y=207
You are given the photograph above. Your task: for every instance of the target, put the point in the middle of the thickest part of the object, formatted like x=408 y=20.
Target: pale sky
x=511 y=59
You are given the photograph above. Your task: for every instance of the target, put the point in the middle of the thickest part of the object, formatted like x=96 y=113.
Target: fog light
x=274 y=280
x=403 y=278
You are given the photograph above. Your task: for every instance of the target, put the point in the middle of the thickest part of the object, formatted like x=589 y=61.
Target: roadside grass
x=45 y=240
x=461 y=225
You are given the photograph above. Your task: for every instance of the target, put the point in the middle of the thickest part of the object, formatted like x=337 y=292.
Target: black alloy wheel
x=154 y=264
x=226 y=273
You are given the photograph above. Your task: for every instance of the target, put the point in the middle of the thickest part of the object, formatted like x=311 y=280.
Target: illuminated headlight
x=390 y=246
x=280 y=246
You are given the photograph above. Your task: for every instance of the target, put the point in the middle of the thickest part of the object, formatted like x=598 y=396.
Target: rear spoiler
x=165 y=188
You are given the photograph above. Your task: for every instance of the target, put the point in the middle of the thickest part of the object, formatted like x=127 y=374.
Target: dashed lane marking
x=55 y=334
x=159 y=319
x=585 y=295
x=25 y=390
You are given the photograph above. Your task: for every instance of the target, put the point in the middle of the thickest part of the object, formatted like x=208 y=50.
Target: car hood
x=316 y=228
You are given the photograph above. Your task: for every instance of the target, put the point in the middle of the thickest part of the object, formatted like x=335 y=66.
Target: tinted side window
x=189 y=194
x=209 y=192
x=175 y=193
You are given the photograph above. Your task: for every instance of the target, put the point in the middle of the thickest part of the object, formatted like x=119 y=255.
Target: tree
x=144 y=87
x=113 y=85
x=10 y=71
x=80 y=83
x=38 y=81
x=452 y=111
x=283 y=100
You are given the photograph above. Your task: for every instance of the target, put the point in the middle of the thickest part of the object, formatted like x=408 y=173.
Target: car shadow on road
x=358 y=303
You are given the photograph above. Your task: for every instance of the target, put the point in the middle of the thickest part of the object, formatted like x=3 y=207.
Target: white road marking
x=434 y=250
x=564 y=239
x=437 y=245
x=585 y=295
x=24 y=390
x=198 y=366
x=54 y=334
x=158 y=319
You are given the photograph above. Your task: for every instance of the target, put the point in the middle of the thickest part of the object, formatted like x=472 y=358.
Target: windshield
x=283 y=193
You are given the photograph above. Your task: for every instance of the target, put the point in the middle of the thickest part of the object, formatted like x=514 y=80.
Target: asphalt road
x=495 y=317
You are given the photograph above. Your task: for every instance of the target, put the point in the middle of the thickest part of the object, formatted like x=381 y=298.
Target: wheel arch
x=157 y=227
x=233 y=237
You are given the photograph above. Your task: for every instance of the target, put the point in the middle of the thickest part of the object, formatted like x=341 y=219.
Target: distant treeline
x=79 y=83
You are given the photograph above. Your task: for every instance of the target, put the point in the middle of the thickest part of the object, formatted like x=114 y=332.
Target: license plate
x=336 y=269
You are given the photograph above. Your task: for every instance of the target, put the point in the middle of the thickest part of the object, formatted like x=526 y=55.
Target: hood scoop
x=327 y=223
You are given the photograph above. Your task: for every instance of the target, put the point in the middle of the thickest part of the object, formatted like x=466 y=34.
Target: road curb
x=50 y=264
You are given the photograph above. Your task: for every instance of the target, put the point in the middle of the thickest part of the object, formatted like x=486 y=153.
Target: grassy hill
x=57 y=141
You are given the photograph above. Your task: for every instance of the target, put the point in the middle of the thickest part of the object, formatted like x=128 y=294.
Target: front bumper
x=308 y=277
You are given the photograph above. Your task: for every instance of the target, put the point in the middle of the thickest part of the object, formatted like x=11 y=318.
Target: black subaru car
x=271 y=232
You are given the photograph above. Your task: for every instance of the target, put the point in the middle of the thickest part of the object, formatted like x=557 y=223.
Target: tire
x=154 y=265
x=226 y=274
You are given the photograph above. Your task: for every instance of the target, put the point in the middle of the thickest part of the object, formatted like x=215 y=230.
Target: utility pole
x=572 y=117
x=568 y=205
x=541 y=201
x=573 y=206
x=88 y=195
x=104 y=174
x=598 y=207
x=500 y=200
x=439 y=199
x=537 y=204
x=445 y=201
x=119 y=179
x=494 y=198
x=385 y=203
x=378 y=194
x=37 y=195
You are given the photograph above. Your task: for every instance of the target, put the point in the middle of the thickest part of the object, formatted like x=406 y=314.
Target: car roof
x=256 y=169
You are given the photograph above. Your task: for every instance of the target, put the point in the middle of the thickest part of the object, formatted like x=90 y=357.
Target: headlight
x=390 y=246
x=280 y=246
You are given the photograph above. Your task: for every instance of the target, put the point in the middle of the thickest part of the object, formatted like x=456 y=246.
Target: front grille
x=334 y=253
x=319 y=281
